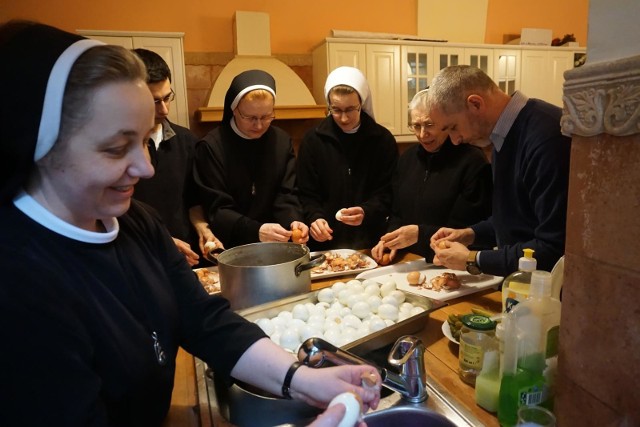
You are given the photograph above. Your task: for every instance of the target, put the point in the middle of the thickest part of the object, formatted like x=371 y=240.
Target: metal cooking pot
x=263 y=272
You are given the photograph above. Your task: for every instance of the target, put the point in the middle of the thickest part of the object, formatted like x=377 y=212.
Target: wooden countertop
x=441 y=359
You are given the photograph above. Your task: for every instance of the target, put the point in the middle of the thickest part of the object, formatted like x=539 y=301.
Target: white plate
x=446 y=330
x=344 y=253
x=398 y=273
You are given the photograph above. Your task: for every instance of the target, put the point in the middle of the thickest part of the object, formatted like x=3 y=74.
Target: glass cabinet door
x=507 y=70
x=480 y=58
x=417 y=72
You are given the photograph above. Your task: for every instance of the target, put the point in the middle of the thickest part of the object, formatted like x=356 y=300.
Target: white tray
x=345 y=253
x=398 y=273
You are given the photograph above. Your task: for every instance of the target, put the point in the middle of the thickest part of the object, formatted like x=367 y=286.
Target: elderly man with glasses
x=345 y=166
x=436 y=184
x=171 y=190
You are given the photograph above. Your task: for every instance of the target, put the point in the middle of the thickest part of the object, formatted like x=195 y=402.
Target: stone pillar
x=599 y=361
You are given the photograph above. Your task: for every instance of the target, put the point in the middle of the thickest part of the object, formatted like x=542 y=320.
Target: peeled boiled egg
x=353 y=403
x=325 y=295
x=387 y=287
x=339 y=215
x=415 y=278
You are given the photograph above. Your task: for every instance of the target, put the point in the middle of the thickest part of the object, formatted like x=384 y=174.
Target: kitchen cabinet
x=535 y=70
x=170 y=47
x=549 y=63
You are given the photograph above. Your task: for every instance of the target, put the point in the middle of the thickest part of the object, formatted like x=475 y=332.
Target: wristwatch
x=472 y=265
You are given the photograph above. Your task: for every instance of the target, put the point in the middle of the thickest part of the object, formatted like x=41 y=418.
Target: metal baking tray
x=366 y=344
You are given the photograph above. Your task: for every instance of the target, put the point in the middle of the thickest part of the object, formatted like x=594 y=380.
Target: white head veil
x=353 y=77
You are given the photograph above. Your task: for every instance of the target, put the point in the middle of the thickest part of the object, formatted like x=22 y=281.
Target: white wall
x=613 y=30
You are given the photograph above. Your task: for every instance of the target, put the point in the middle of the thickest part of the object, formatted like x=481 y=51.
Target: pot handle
x=314 y=261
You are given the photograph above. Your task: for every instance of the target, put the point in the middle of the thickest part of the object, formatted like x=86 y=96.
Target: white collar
x=34 y=210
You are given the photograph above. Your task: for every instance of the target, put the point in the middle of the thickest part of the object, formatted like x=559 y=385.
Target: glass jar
x=477 y=336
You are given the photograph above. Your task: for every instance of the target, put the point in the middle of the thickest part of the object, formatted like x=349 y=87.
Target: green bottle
x=523 y=382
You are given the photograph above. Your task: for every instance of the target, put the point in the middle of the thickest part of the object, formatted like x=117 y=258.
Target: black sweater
x=448 y=188
x=338 y=170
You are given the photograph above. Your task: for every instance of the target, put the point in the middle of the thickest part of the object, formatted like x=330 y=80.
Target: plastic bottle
x=530 y=346
x=547 y=310
x=488 y=382
x=515 y=287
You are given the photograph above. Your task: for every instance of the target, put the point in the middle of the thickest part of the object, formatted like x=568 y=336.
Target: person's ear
x=475 y=103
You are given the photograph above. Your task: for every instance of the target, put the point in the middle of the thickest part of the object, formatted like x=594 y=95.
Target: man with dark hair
x=171 y=191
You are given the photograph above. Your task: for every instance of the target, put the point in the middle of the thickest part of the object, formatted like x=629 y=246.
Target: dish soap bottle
x=547 y=310
x=515 y=287
x=531 y=331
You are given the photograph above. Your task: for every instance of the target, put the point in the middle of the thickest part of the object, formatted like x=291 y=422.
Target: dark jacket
x=448 y=188
x=338 y=170
x=244 y=183
x=171 y=191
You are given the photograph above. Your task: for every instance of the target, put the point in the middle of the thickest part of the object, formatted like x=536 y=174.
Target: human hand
x=185 y=249
x=331 y=417
x=401 y=238
x=466 y=236
x=272 y=232
x=352 y=216
x=304 y=232
x=320 y=230
x=206 y=236
x=379 y=251
x=452 y=255
x=318 y=386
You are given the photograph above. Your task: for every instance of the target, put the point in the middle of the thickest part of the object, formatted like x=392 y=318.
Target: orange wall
x=207 y=24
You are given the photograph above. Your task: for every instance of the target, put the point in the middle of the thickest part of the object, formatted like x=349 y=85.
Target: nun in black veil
x=245 y=168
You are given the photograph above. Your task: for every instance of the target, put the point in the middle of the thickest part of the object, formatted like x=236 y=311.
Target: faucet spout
x=407 y=354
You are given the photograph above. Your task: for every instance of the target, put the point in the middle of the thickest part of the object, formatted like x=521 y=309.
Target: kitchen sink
x=246 y=407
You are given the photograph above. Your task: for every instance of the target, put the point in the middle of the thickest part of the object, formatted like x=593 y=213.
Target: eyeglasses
x=419 y=127
x=254 y=120
x=349 y=111
x=167 y=99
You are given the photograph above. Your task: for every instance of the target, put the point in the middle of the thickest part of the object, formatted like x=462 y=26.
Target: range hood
x=252 y=44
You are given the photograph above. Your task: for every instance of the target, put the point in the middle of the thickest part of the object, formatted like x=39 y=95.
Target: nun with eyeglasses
x=245 y=169
x=345 y=166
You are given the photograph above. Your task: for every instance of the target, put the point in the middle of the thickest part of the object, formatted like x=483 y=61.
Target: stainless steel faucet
x=407 y=355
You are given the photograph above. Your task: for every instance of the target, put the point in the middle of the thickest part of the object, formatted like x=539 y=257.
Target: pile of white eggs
x=344 y=313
